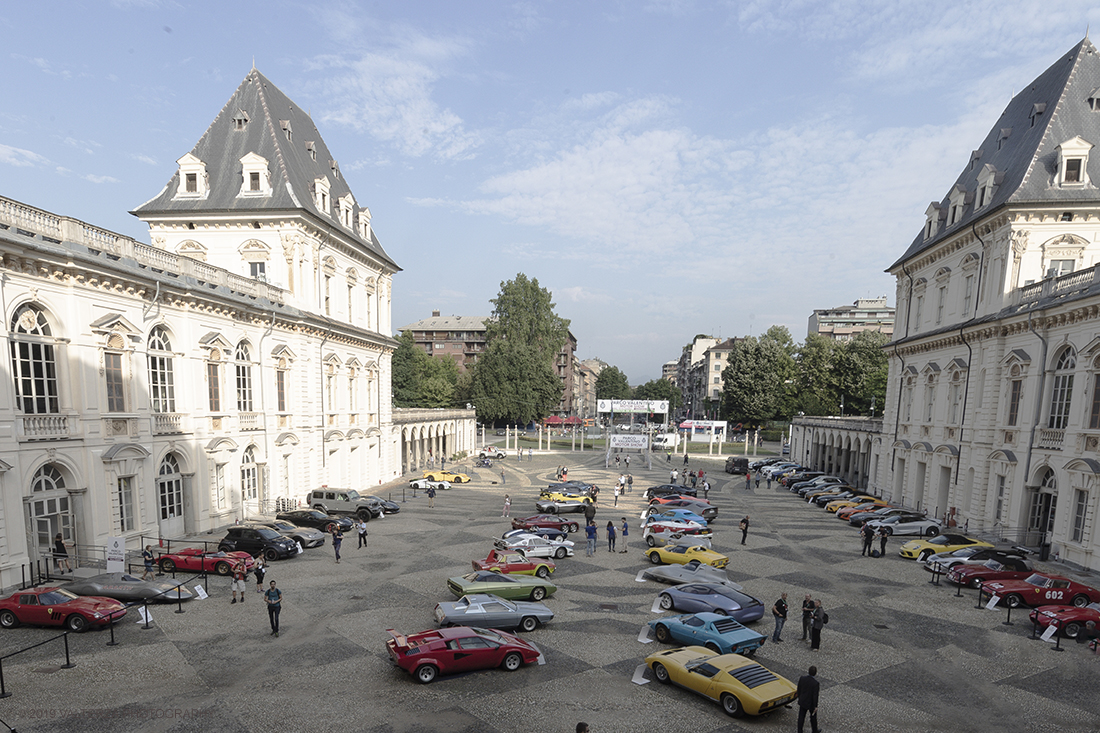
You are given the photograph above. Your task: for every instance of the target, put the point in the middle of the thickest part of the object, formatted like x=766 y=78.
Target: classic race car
x=514 y=562
x=454 y=478
x=691 y=572
x=194 y=560
x=716 y=632
x=656 y=535
x=550 y=521
x=533 y=545
x=739 y=685
x=423 y=484
x=460 y=649
x=674 y=499
x=126 y=587
x=548 y=495
x=486 y=610
x=1041 y=589
x=921 y=549
x=547 y=532
x=1070 y=620
x=683 y=554
x=712 y=597
x=975 y=575
x=58 y=607
x=512 y=587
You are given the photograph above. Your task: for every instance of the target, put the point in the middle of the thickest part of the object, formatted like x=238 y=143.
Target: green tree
x=612 y=384
x=515 y=379
x=754 y=380
x=420 y=380
x=787 y=370
x=659 y=389
x=862 y=366
x=816 y=379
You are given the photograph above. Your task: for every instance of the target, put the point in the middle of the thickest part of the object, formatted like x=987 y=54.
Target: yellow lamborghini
x=683 y=554
x=454 y=478
x=740 y=685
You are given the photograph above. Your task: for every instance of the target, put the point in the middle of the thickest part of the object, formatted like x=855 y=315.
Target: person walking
x=530 y=455
x=502 y=480
x=757 y=481
x=694 y=479
x=769 y=481
x=274 y=598
x=807 y=616
x=260 y=569
x=883 y=536
x=431 y=496
x=808 y=689
x=668 y=457
x=629 y=482
x=706 y=489
x=626 y=531
x=362 y=529
x=443 y=463
x=338 y=539
x=820 y=619
x=590 y=534
x=61 y=554
x=237 y=584
x=589 y=512
x=672 y=476
x=507 y=506
x=748 y=482
x=617 y=460
x=868 y=535
x=744 y=527
x=617 y=488
x=626 y=460
x=779 y=613
x=685 y=454
x=564 y=473
x=610 y=536
x=147 y=558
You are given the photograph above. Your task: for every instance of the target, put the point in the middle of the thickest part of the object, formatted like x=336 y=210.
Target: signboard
x=704 y=424
x=635 y=406
x=640 y=442
x=116 y=555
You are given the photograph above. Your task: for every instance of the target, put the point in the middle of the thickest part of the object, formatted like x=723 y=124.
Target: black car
x=256 y=541
x=380 y=506
x=757 y=465
x=307 y=537
x=316 y=519
x=737 y=465
x=858 y=520
x=799 y=476
x=666 y=489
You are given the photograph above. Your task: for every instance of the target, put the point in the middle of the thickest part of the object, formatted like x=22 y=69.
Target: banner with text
x=630 y=441
x=632 y=406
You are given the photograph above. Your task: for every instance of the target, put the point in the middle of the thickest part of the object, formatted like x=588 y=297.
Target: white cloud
x=93 y=178
x=143 y=159
x=19 y=157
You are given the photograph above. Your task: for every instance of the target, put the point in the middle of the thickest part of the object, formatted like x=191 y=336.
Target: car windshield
x=1038 y=580
x=55 y=597
x=489 y=634
x=994 y=565
x=701 y=666
x=268 y=534
x=130 y=579
x=353 y=495
x=484 y=576
x=317 y=515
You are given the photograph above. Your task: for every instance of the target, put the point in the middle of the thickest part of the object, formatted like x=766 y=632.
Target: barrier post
x=981 y=592
x=959 y=592
x=68 y=663
x=1035 y=628
x=147 y=616
x=111 y=623
x=3 y=690
x=1057 y=637
x=1008 y=618
x=179 y=599
x=935 y=574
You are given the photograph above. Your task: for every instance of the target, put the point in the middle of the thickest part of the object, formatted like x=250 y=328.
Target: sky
x=666 y=168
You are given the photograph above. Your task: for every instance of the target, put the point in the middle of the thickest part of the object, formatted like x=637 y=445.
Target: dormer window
x=193 y=183
x=1005 y=133
x=347 y=208
x=932 y=216
x=975 y=156
x=988 y=179
x=1094 y=100
x=240 y=120
x=321 y=194
x=255 y=176
x=1073 y=156
x=335 y=168
x=364 y=223
x=1037 y=111
x=311 y=148
x=958 y=199
x=285 y=124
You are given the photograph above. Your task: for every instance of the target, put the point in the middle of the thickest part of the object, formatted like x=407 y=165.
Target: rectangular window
x=35 y=377
x=981 y=196
x=328 y=295
x=244 y=387
x=1073 y=170
x=1000 y=507
x=956 y=394
x=1080 y=507
x=941 y=302
x=192 y=183
x=968 y=294
x=1062 y=391
x=253 y=181
x=717 y=380
x=280 y=390
x=929 y=403
x=213 y=386
x=351 y=300
x=162 y=391
x=1060 y=267
x=1014 y=392
x=258 y=270
x=908 y=402
x=112 y=364
x=126 y=503
x=353 y=395
x=219 y=486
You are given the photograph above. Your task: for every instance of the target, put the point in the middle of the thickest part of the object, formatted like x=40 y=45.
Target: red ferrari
x=502 y=561
x=975 y=575
x=196 y=561
x=551 y=521
x=58 y=607
x=459 y=649
x=1038 y=589
x=1069 y=619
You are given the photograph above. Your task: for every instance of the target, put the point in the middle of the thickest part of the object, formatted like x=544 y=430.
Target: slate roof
x=1058 y=101
x=449 y=323
x=293 y=169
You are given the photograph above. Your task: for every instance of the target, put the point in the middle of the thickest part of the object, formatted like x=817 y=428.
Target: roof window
x=1073 y=157
x=1005 y=133
x=193 y=180
x=1094 y=100
x=335 y=168
x=255 y=176
x=1037 y=111
x=321 y=189
x=240 y=120
x=311 y=148
x=285 y=124
x=975 y=155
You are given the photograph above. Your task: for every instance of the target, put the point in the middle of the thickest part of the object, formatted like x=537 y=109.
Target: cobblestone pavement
x=898 y=654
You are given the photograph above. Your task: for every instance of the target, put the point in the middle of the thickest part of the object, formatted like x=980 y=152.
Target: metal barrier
x=67 y=665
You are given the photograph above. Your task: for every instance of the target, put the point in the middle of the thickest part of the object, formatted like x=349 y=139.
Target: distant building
x=668 y=371
x=461 y=338
x=584 y=386
x=709 y=381
x=844 y=322
x=565 y=367
x=692 y=393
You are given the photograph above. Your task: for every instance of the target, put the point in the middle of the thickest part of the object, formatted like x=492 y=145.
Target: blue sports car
x=696 y=597
x=717 y=632
x=681 y=515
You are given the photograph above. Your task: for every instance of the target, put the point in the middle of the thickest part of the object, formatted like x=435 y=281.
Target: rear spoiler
x=398 y=639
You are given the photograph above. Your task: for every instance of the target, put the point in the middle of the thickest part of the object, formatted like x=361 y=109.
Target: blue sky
x=666 y=168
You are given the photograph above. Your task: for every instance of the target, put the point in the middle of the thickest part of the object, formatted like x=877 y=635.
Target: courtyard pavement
x=897 y=655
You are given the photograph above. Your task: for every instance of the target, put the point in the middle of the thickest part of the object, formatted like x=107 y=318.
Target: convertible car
x=691 y=572
x=1069 y=619
x=533 y=545
x=548 y=521
x=716 y=632
x=921 y=549
x=58 y=607
x=739 y=685
x=713 y=597
x=126 y=587
x=490 y=611
x=449 y=476
x=512 y=587
x=1040 y=589
x=514 y=562
x=683 y=554
x=196 y=561
x=423 y=484
x=460 y=649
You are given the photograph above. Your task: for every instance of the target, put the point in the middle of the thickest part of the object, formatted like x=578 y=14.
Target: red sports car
x=195 y=561
x=58 y=607
x=504 y=561
x=551 y=521
x=459 y=649
x=976 y=575
x=1070 y=619
x=1039 y=589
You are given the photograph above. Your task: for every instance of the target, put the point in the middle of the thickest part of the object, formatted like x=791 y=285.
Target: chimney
x=435 y=314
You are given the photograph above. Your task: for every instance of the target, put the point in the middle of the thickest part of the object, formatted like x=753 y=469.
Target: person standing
x=748 y=482
x=589 y=512
x=706 y=489
x=883 y=536
x=362 y=527
x=769 y=481
x=274 y=598
x=672 y=476
x=502 y=481
x=808 y=688
x=147 y=558
x=507 y=506
x=668 y=457
x=616 y=490
x=627 y=461
x=443 y=463
x=564 y=473
x=529 y=455
x=868 y=537
x=818 y=624
x=807 y=616
x=685 y=454
x=757 y=481
x=590 y=534
x=626 y=531
x=617 y=460
x=629 y=482
x=237 y=584
x=260 y=569
x=61 y=554
x=431 y=496
x=744 y=527
x=338 y=539
x=610 y=536
x=779 y=612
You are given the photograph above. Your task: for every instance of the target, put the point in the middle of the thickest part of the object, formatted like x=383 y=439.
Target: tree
x=816 y=379
x=611 y=384
x=754 y=380
x=405 y=370
x=659 y=389
x=420 y=380
x=515 y=379
x=780 y=338
x=862 y=366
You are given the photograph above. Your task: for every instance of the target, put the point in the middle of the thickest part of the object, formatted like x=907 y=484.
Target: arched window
x=162 y=389
x=1062 y=389
x=244 y=378
x=47 y=478
x=170 y=488
x=250 y=479
x=33 y=362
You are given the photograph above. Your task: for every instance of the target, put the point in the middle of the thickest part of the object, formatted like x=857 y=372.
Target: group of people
x=868 y=534
x=814 y=619
x=591 y=536
x=563 y=473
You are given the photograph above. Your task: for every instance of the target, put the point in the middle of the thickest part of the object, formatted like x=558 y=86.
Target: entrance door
x=47 y=518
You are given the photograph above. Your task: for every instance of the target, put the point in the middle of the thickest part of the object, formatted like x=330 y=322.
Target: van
x=738 y=465
x=666 y=440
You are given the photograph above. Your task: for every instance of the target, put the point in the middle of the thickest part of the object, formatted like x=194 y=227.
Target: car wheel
x=512 y=661
x=931 y=532
x=551 y=509
x=222 y=568
x=538 y=593
x=270 y=554
x=655 y=558
x=528 y=623
x=560 y=553
x=167 y=566
x=719 y=611
x=650 y=541
x=542 y=571
x=660 y=673
x=1071 y=629
x=713 y=647
x=574 y=527
x=8 y=620
x=425 y=673
x=925 y=555
x=732 y=706
x=1080 y=601
x=889 y=531
x=653 y=510
x=666 y=602
x=662 y=634
x=76 y=622
x=1012 y=600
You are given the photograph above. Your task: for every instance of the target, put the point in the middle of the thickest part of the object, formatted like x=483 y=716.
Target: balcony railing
x=1063 y=285
x=1051 y=439
x=166 y=423
x=250 y=420
x=46 y=427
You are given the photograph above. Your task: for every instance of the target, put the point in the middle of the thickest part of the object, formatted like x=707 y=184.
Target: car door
x=475 y=652
x=30 y=611
x=497 y=615
x=692 y=598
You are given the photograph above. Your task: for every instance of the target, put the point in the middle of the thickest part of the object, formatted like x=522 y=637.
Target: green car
x=512 y=587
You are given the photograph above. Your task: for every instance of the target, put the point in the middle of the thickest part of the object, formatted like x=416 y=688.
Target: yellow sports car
x=921 y=549
x=683 y=554
x=838 y=504
x=454 y=478
x=562 y=496
x=738 y=684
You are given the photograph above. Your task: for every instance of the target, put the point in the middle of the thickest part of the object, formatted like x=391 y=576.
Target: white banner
x=116 y=554
x=634 y=406
x=630 y=441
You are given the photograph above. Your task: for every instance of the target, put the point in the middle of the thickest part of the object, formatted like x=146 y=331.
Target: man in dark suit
x=808 y=687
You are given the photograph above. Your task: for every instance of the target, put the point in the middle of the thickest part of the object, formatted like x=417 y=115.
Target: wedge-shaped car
x=692 y=572
x=1041 y=589
x=423 y=484
x=683 y=554
x=739 y=685
x=712 y=597
x=668 y=489
x=1070 y=620
x=459 y=649
x=512 y=587
x=679 y=515
x=492 y=612
x=448 y=476
x=545 y=521
x=845 y=513
x=921 y=549
x=658 y=535
x=316 y=519
x=907 y=525
x=129 y=588
x=562 y=506
x=533 y=545
x=196 y=561
x=673 y=524
x=836 y=505
x=514 y=562
x=858 y=519
x=1012 y=557
x=674 y=499
x=546 y=532
x=553 y=495
x=58 y=607
x=716 y=632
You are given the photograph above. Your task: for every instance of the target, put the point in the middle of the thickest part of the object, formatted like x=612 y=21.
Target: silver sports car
x=692 y=572
x=560 y=506
x=126 y=587
x=533 y=545
x=307 y=537
x=492 y=612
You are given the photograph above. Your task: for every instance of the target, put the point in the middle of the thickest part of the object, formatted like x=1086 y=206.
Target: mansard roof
x=1022 y=146
x=255 y=120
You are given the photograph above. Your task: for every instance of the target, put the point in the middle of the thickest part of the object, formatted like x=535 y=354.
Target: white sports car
x=534 y=546
x=423 y=484
x=907 y=525
x=673 y=524
x=659 y=535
